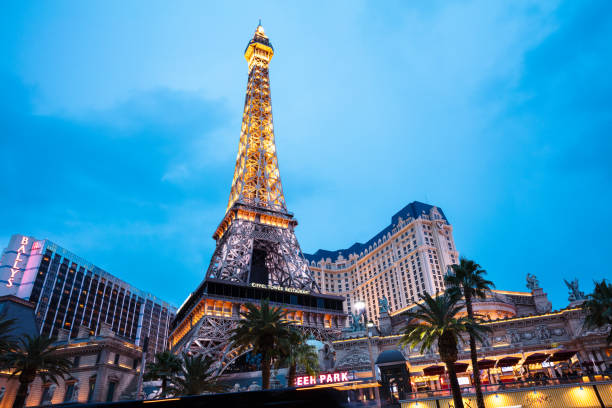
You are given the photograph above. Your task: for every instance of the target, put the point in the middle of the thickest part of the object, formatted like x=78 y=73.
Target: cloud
x=123 y=147
x=92 y=183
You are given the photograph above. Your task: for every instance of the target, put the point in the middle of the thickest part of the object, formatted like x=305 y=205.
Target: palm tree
x=262 y=328
x=468 y=279
x=437 y=322
x=6 y=339
x=32 y=357
x=166 y=365
x=196 y=376
x=294 y=351
x=599 y=307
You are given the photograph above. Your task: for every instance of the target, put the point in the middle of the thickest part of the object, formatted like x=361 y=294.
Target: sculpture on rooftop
x=356 y=323
x=532 y=282
x=574 y=292
x=383 y=305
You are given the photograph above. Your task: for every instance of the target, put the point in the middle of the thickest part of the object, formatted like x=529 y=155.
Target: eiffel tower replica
x=257 y=255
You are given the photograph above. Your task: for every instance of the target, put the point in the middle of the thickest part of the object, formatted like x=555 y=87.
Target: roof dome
x=390 y=356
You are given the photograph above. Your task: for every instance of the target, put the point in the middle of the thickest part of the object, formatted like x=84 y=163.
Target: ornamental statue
x=356 y=324
x=532 y=282
x=383 y=305
x=574 y=292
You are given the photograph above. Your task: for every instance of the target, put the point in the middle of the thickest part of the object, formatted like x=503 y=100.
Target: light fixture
x=359 y=306
x=370 y=324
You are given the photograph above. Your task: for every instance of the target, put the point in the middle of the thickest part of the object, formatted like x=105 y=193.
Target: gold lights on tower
x=256 y=179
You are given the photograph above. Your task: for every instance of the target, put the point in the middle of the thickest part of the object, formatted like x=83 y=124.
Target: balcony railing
x=531 y=384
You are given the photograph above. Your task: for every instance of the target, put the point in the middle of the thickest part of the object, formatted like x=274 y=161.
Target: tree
x=468 y=279
x=32 y=357
x=196 y=376
x=294 y=352
x=166 y=366
x=6 y=339
x=437 y=322
x=599 y=307
x=262 y=328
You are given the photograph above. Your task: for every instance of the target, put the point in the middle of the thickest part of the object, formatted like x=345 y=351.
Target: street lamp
x=360 y=307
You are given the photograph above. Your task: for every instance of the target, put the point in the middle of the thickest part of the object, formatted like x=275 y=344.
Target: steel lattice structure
x=256 y=244
x=256 y=177
x=233 y=257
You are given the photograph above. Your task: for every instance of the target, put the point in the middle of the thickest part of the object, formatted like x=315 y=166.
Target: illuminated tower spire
x=256 y=177
x=255 y=240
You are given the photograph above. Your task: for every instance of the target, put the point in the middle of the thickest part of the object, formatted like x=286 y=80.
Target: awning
x=507 y=361
x=461 y=367
x=562 y=355
x=433 y=370
x=486 y=364
x=536 y=358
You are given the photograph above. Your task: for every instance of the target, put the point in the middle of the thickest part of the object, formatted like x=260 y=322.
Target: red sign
x=327 y=378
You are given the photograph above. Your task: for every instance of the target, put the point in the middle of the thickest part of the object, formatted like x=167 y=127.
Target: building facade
x=70 y=293
x=527 y=340
x=406 y=259
x=104 y=367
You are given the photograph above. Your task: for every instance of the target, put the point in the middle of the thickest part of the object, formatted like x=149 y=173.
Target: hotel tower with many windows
x=407 y=258
x=70 y=293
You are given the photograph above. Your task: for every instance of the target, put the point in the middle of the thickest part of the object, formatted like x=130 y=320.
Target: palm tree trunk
x=474 y=353
x=291 y=375
x=22 y=394
x=265 y=371
x=164 y=385
x=452 y=375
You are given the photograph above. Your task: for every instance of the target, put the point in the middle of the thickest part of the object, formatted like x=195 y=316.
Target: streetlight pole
x=143 y=364
x=360 y=308
x=372 y=365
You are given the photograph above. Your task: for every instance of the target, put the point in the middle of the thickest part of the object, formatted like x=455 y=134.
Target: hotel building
x=527 y=340
x=407 y=258
x=70 y=293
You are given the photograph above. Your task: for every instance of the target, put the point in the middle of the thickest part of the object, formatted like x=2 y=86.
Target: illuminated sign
x=463 y=380
x=280 y=288
x=327 y=378
x=36 y=246
x=15 y=267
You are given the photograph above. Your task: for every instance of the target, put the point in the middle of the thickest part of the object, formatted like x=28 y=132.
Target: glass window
x=46 y=394
x=92 y=387
x=111 y=391
x=69 y=392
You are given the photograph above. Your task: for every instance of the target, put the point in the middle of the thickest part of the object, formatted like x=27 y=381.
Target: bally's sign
x=18 y=261
x=326 y=378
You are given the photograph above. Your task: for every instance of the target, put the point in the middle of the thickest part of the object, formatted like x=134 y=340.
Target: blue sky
x=119 y=126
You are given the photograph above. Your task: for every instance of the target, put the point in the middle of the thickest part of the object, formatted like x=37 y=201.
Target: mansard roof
x=413 y=210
